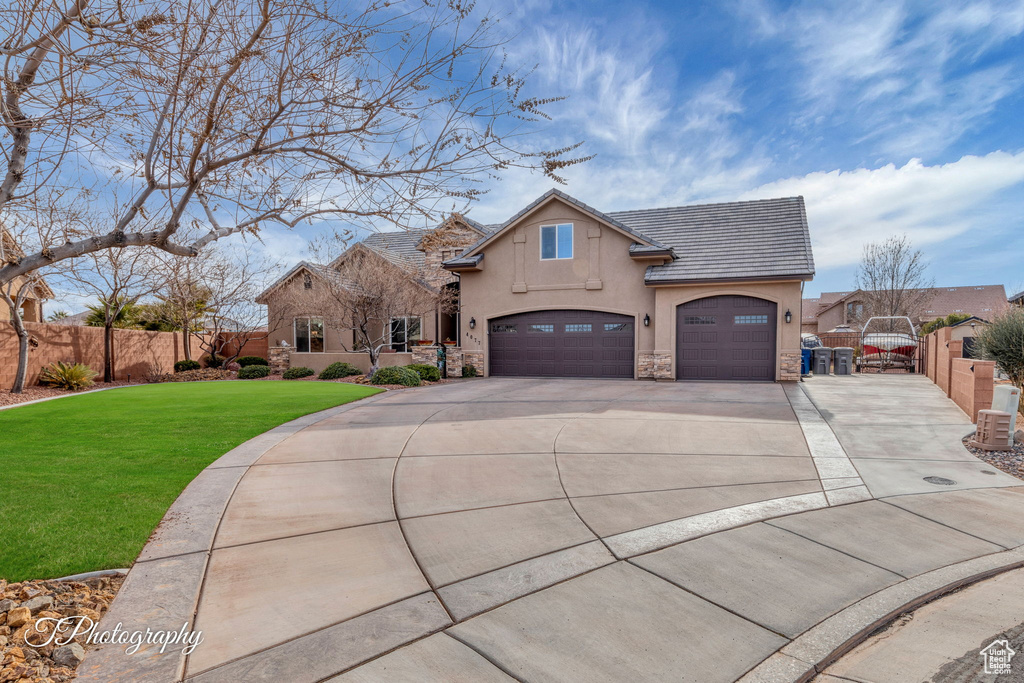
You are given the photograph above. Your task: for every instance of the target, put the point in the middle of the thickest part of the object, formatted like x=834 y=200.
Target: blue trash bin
x=805 y=361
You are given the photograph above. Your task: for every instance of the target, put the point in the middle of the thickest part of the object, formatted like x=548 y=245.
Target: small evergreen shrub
x=213 y=361
x=68 y=376
x=469 y=371
x=339 y=370
x=185 y=365
x=246 y=361
x=253 y=372
x=396 y=374
x=297 y=373
x=201 y=375
x=428 y=373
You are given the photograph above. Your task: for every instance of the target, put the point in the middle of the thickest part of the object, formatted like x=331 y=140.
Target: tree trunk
x=186 y=336
x=22 y=374
x=108 y=352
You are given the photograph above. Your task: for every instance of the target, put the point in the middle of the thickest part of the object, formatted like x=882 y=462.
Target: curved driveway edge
x=162 y=587
x=516 y=529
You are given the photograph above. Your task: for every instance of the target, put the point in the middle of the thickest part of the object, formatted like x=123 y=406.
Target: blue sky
x=889 y=117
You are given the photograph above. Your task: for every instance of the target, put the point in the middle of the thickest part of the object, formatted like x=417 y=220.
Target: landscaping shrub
x=69 y=376
x=246 y=361
x=428 y=373
x=948 y=321
x=396 y=374
x=201 y=375
x=213 y=361
x=1003 y=342
x=296 y=373
x=184 y=365
x=469 y=371
x=339 y=370
x=253 y=372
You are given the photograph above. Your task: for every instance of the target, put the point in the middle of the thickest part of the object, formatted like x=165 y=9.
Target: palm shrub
x=1003 y=342
x=296 y=373
x=428 y=373
x=396 y=374
x=246 y=361
x=185 y=365
x=69 y=376
x=339 y=370
x=253 y=372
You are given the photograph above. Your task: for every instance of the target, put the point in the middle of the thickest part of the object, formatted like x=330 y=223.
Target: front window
x=404 y=332
x=309 y=335
x=556 y=241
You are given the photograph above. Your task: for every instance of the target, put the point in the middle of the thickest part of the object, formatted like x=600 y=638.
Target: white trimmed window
x=556 y=242
x=404 y=332
x=309 y=335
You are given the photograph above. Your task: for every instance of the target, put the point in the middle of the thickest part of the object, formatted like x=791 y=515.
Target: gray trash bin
x=843 y=360
x=822 y=360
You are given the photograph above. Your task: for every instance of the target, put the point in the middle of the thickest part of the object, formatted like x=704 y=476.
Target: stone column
x=453 y=361
x=424 y=355
x=654 y=365
x=790 y=363
x=280 y=358
x=476 y=359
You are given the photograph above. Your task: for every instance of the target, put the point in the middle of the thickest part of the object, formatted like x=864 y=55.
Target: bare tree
x=15 y=294
x=220 y=117
x=360 y=294
x=232 y=318
x=893 y=278
x=119 y=279
x=182 y=297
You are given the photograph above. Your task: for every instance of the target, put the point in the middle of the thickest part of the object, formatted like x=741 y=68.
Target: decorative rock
x=69 y=655
x=39 y=603
x=7 y=605
x=18 y=616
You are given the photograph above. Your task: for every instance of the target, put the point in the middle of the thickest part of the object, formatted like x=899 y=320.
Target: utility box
x=843 y=360
x=1006 y=398
x=822 y=360
x=993 y=431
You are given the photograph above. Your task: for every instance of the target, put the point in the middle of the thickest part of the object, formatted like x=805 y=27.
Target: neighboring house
x=1017 y=299
x=32 y=309
x=419 y=252
x=709 y=292
x=838 y=309
x=74 y=320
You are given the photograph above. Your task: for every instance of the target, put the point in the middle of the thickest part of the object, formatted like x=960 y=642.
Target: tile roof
x=754 y=239
x=984 y=301
x=1018 y=297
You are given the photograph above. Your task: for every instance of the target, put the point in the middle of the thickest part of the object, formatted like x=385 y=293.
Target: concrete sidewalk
x=568 y=531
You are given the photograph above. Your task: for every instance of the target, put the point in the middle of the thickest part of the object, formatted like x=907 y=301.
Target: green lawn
x=84 y=480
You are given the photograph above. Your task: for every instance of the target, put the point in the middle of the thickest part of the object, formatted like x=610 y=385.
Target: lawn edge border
x=195 y=535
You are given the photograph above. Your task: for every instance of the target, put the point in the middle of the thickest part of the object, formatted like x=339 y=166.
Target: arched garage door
x=726 y=338
x=561 y=344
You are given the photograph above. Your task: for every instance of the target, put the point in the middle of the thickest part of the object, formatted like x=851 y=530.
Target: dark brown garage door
x=561 y=344
x=726 y=338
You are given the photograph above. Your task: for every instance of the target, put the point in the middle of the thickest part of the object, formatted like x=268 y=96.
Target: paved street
x=566 y=530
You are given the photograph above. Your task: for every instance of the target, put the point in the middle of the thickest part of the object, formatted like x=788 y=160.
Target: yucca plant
x=68 y=376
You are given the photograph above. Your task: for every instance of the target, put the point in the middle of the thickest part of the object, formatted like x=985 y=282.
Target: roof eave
x=676 y=282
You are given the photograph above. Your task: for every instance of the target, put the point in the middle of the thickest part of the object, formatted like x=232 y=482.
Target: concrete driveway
x=544 y=530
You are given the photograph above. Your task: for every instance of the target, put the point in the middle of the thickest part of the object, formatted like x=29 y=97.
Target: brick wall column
x=972 y=385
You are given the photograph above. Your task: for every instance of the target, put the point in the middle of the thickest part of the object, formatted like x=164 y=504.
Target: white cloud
x=847 y=209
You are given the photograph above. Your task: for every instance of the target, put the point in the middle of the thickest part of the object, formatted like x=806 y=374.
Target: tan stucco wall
x=601 y=276
x=282 y=322
x=785 y=294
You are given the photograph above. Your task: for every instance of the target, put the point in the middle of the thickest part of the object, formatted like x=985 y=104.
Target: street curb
x=810 y=653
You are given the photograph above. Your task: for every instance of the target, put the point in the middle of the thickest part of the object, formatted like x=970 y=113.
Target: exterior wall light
x=472 y=323
x=647 y=320
x=789 y=317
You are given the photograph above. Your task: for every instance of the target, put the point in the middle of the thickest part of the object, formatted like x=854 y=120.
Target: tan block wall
x=138 y=353
x=971 y=385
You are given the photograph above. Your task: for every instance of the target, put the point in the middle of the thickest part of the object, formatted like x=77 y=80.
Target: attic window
x=307 y=281
x=556 y=242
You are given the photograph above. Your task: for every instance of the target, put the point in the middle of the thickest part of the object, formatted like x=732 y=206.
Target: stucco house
x=561 y=289
x=39 y=292
x=708 y=292
x=837 y=309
